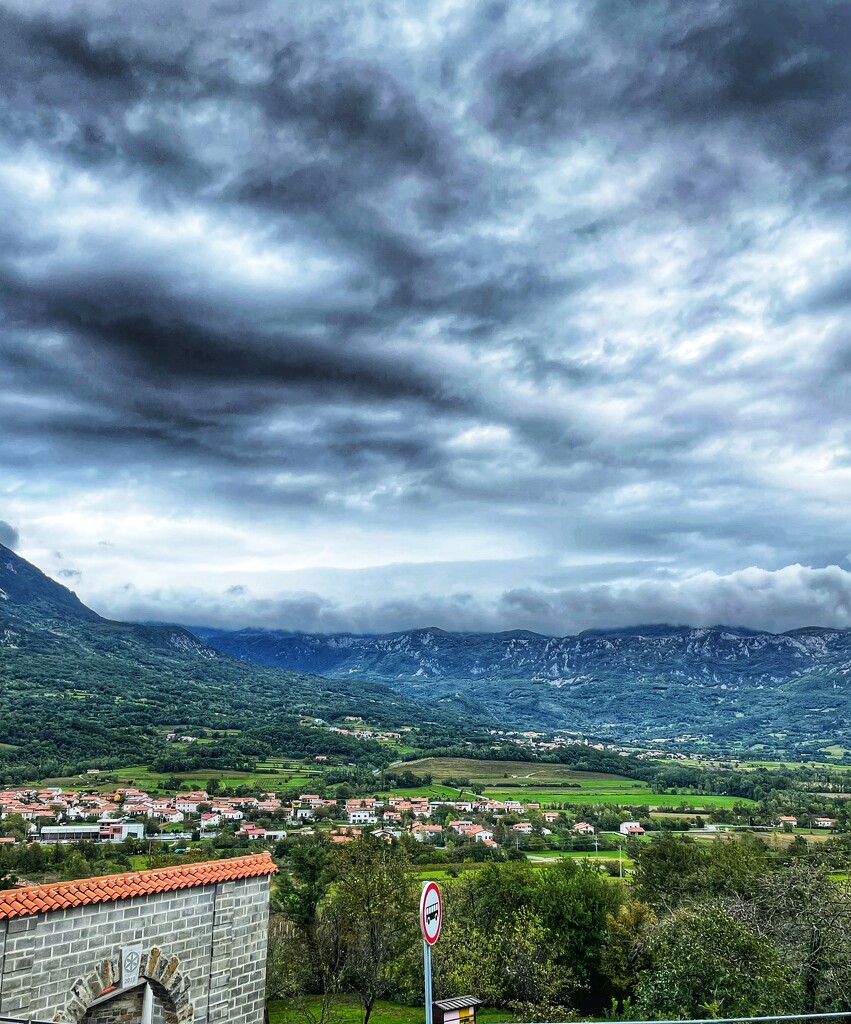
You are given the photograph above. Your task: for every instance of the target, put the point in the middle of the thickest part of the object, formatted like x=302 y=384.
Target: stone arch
x=170 y=985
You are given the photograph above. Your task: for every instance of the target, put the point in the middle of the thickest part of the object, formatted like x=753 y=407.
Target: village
x=532 y=740
x=57 y=815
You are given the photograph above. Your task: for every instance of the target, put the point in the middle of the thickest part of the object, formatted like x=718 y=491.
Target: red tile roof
x=38 y=899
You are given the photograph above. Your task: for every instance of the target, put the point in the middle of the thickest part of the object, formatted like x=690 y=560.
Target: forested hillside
x=77 y=690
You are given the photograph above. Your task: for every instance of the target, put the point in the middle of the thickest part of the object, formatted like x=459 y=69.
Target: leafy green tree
x=668 y=871
x=301 y=889
x=513 y=964
x=500 y=892
x=574 y=902
x=76 y=866
x=808 y=915
x=675 y=870
x=624 y=956
x=375 y=903
x=14 y=825
x=302 y=962
x=704 y=963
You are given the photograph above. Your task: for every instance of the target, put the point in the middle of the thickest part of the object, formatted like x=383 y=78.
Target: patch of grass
x=347 y=1011
x=625 y=796
x=523 y=773
x=270 y=779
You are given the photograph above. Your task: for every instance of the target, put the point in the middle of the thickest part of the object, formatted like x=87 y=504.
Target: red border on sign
x=426 y=890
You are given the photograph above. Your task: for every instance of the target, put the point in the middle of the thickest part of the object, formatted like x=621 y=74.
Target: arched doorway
x=127 y=1007
x=159 y=994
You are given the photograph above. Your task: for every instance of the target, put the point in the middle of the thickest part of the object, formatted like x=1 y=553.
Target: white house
x=361 y=816
x=187 y=805
x=631 y=828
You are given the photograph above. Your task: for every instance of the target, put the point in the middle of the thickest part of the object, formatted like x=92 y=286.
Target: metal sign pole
x=427 y=965
x=431 y=921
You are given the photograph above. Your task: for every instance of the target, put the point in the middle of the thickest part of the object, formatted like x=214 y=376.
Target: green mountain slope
x=79 y=690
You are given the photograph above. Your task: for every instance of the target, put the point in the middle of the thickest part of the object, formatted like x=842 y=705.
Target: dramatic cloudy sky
x=389 y=313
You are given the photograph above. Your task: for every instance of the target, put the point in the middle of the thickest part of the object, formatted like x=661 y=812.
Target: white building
x=631 y=828
x=361 y=816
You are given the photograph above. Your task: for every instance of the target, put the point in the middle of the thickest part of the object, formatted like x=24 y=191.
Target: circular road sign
x=431 y=912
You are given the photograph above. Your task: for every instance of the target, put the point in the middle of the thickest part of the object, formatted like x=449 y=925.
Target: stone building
x=178 y=945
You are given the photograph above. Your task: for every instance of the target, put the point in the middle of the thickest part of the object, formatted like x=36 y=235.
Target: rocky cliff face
x=724 y=685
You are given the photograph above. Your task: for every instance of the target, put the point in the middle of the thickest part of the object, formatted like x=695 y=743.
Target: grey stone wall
x=204 y=952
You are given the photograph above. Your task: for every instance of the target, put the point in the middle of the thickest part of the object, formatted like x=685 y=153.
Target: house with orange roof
x=251 y=832
x=422 y=832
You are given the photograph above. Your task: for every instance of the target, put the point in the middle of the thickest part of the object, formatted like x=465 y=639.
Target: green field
x=347 y=1011
x=142 y=777
x=626 y=796
x=750 y=764
x=543 y=858
x=520 y=773
x=550 y=784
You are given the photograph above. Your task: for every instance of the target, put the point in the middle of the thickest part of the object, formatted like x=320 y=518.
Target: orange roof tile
x=37 y=899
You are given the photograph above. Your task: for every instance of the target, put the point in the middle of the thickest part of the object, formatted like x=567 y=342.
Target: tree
x=375 y=902
x=76 y=866
x=306 y=952
x=704 y=963
x=668 y=871
x=575 y=902
x=625 y=957
x=311 y=871
x=513 y=964
x=808 y=915
x=675 y=870
x=302 y=961
x=14 y=825
x=500 y=892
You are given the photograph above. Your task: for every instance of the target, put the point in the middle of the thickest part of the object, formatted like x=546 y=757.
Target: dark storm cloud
x=146 y=332
x=536 y=277
x=778 y=68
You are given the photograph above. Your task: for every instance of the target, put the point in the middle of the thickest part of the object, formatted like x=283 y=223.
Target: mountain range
x=717 y=687
x=77 y=689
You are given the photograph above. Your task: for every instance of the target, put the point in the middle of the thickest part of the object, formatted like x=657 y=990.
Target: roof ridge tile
x=35 y=899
